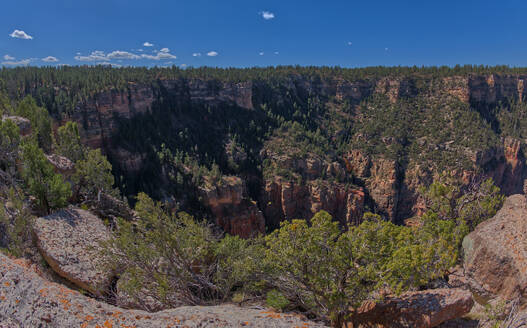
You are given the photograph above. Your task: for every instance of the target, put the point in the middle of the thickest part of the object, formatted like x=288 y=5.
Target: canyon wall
x=381 y=184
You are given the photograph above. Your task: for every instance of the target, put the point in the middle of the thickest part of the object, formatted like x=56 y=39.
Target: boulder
x=108 y=206
x=422 y=309
x=69 y=240
x=28 y=300
x=495 y=260
x=61 y=164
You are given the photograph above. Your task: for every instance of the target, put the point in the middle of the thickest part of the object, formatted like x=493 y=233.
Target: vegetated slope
x=249 y=146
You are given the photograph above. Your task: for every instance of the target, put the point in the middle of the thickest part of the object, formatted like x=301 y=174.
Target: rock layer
x=27 y=300
x=69 y=240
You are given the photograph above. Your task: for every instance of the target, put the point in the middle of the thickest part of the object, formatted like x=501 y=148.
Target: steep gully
x=392 y=189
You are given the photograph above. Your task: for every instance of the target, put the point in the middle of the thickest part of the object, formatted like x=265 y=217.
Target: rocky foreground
x=493 y=273
x=28 y=300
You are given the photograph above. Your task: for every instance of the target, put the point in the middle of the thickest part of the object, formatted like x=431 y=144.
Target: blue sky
x=262 y=33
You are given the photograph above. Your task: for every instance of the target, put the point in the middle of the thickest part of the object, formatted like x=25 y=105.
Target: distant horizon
x=452 y=66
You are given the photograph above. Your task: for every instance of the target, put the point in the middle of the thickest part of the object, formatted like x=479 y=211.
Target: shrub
x=15 y=219
x=93 y=175
x=169 y=255
x=327 y=272
x=48 y=187
x=68 y=142
x=276 y=300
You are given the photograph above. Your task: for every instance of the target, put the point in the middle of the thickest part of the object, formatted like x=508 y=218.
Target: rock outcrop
x=61 y=164
x=282 y=199
x=24 y=125
x=108 y=206
x=381 y=178
x=27 y=300
x=232 y=208
x=69 y=240
x=423 y=309
x=495 y=259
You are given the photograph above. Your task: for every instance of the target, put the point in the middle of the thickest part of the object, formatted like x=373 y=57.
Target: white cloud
x=196 y=54
x=148 y=44
x=94 y=56
x=23 y=62
x=261 y=53
x=78 y=54
x=212 y=54
x=183 y=65
x=122 y=55
x=140 y=50
x=267 y=15
x=7 y=57
x=101 y=56
x=19 y=34
x=50 y=59
x=160 y=56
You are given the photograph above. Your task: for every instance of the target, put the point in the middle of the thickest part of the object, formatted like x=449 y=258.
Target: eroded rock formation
x=232 y=208
x=282 y=199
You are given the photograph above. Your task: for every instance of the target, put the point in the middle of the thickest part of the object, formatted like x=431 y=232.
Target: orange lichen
x=43 y=292
x=108 y=324
x=116 y=314
x=65 y=303
x=274 y=315
x=7 y=284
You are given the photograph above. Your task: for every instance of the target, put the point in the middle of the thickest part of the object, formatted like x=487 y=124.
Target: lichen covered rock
x=495 y=260
x=69 y=240
x=27 y=300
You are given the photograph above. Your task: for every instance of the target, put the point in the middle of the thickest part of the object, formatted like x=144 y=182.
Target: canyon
x=247 y=203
